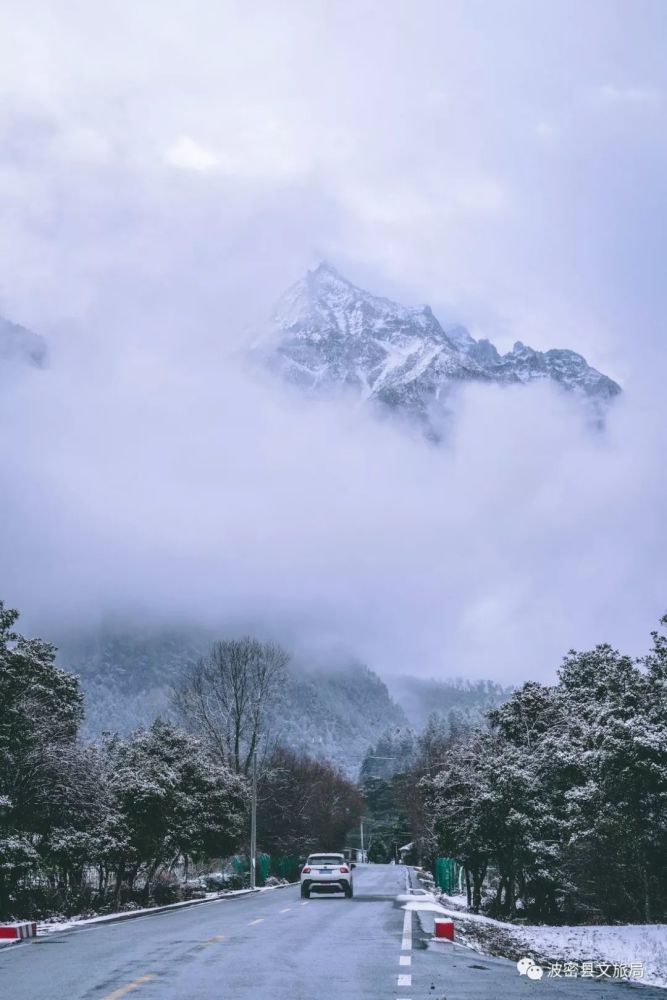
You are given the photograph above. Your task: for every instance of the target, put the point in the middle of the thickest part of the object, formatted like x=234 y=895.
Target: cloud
x=611 y=94
x=161 y=183
x=161 y=489
x=547 y=132
x=186 y=154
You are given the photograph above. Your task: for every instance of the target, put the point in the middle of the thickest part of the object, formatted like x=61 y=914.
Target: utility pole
x=253 y=825
x=362 y=841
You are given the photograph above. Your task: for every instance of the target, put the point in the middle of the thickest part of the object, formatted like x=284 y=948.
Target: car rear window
x=325 y=859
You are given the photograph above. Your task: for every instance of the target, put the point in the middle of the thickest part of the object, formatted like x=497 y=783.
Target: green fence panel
x=446 y=874
x=288 y=868
x=263 y=868
x=240 y=864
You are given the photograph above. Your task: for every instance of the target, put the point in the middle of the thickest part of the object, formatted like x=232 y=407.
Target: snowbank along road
x=276 y=946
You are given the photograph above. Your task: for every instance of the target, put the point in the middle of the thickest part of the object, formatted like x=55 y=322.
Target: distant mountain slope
x=336 y=713
x=17 y=344
x=329 y=334
x=127 y=674
x=459 y=702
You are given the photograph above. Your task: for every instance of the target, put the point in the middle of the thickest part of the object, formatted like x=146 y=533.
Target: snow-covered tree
x=40 y=712
x=122 y=810
x=566 y=794
x=175 y=801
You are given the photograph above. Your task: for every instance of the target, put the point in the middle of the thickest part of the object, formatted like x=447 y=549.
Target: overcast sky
x=167 y=169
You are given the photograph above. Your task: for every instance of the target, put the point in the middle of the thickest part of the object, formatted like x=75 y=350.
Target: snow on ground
x=623 y=944
x=626 y=944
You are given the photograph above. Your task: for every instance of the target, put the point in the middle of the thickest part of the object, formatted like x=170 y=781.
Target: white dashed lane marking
x=258 y=921
x=404 y=980
x=405 y=960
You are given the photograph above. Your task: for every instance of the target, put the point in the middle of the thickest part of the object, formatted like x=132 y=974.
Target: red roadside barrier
x=444 y=928
x=18 y=931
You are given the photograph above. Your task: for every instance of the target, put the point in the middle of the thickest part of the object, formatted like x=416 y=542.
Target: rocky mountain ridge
x=328 y=334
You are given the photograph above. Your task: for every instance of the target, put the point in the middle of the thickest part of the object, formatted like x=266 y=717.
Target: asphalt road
x=275 y=946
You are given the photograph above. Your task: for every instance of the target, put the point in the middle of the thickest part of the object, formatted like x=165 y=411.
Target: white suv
x=326 y=871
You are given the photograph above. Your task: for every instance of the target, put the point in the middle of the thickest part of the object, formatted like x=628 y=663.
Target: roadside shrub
x=166 y=889
x=237 y=881
x=219 y=881
x=192 y=892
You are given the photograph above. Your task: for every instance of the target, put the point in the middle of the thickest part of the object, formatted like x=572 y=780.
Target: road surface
x=275 y=946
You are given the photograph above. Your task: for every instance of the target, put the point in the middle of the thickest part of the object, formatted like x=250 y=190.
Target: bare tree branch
x=225 y=695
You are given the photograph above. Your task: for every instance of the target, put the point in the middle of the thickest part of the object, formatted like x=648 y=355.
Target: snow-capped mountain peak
x=331 y=333
x=326 y=301
x=334 y=333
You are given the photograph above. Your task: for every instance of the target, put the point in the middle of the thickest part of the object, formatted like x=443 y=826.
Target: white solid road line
x=406 y=944
x=286 y=910
x=405 y=978
x=258 y=921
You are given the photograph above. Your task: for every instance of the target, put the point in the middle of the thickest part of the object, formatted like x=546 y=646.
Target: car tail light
x=345 y=869
x=306 y=870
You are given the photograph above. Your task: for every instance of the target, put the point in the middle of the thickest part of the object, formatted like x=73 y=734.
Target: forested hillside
x=461 y=703
x=333 y=713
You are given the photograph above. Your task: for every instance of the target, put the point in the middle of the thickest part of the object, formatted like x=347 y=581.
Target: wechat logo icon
x=527 y=967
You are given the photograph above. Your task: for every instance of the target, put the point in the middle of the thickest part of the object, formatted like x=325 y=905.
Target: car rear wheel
x=349 y=892
x=305 y=891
